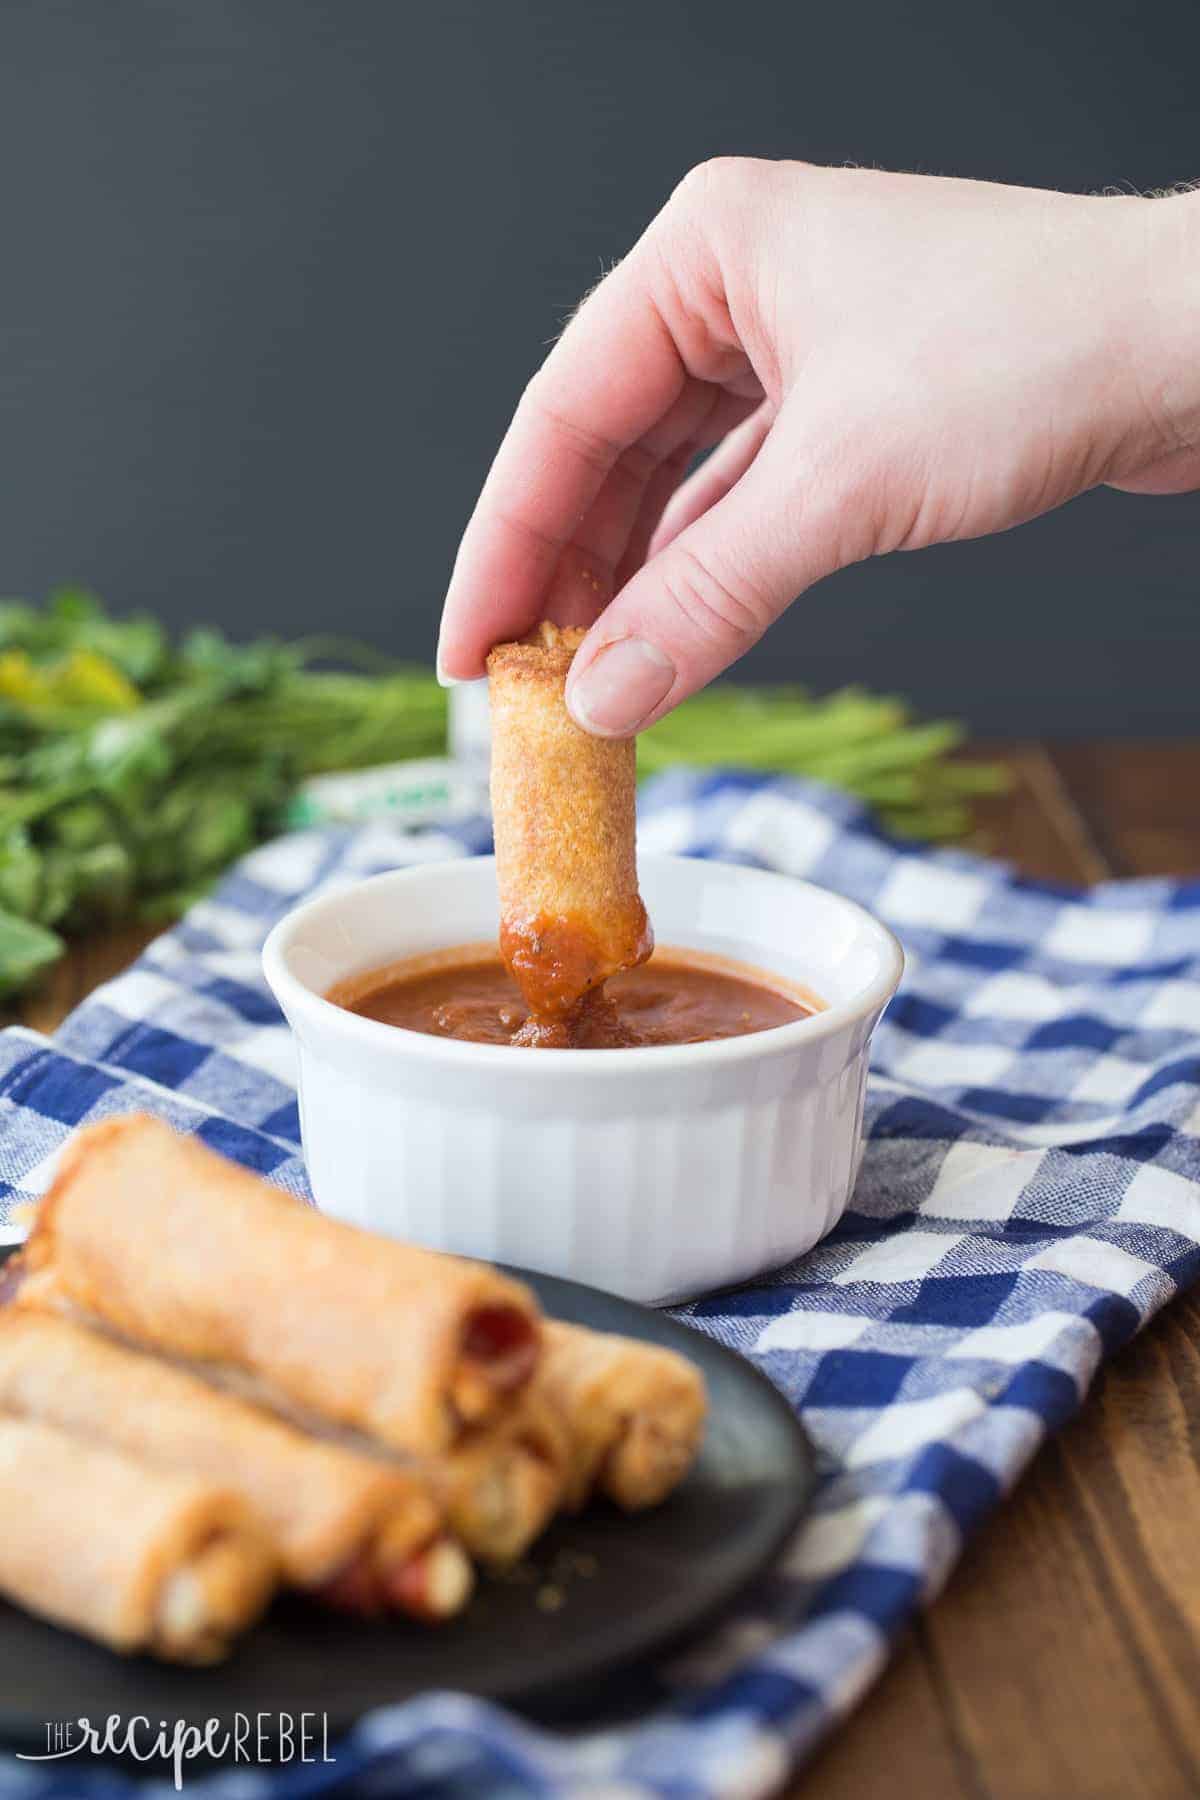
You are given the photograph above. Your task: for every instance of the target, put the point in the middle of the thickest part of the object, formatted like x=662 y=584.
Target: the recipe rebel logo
x=278 y=1739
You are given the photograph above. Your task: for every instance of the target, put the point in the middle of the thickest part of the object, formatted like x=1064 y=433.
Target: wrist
x=1165 y=322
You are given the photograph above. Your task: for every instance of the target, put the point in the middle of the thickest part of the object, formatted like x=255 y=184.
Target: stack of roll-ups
x=253 y=1395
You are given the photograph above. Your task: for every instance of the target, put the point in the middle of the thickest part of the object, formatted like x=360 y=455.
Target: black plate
x=604 y=1592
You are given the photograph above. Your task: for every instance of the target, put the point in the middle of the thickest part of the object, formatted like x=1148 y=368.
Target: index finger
x=612 y=374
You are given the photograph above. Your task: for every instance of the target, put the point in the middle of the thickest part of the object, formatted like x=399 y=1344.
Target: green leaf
x=137 y=645
x=26 y=951
x=95 y=883
x=20 y=874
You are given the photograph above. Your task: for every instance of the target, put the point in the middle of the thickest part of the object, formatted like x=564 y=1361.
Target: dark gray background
x=272 y=273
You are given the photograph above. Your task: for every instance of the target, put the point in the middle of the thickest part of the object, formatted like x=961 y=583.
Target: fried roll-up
x=563 y=804
x=169 y=1245
x=498 y=1489
x=138 y=1558
x=635 y=1413
x=352 y=1530
x=504 y=1483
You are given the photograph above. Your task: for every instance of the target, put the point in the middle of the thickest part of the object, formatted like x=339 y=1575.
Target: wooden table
x=1064 y=1658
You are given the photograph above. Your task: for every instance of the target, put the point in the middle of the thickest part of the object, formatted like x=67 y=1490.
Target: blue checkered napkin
x=1029 y=1196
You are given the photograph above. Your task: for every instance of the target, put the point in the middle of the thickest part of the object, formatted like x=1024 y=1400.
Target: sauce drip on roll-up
x=563 y=805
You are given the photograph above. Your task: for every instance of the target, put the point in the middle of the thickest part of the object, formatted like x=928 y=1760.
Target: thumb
x=705 y=598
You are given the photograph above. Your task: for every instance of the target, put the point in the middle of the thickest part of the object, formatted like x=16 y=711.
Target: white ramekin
x=655 y=1173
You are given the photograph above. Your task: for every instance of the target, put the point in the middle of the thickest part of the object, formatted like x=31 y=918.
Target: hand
x=884 y=362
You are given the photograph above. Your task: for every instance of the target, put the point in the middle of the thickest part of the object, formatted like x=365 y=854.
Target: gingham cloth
x=1028 y=1198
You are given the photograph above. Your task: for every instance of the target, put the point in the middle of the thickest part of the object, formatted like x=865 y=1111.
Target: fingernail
x=444 y=680
x=621 y=687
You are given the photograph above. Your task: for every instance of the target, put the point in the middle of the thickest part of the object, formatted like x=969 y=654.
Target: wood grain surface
x=1063 y=1660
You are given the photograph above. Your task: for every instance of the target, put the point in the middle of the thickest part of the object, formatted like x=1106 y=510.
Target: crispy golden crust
x=564 y=811
x=320 y=1504
x=136 y=1557
x=544 y=655
x=636 y=1413
x=173 y=1247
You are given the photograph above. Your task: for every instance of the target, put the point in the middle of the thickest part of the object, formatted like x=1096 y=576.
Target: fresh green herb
x=864 y=743
x=133 y=770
